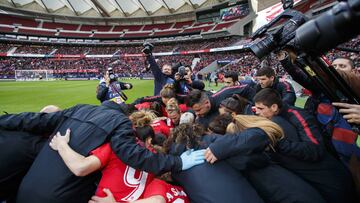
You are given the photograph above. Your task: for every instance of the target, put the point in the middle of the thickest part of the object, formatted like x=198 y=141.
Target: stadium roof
x=109 y=8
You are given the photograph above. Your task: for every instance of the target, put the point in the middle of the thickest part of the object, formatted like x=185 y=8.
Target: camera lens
x=263 y=47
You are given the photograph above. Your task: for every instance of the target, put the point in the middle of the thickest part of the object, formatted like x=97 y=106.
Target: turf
x=18 y=97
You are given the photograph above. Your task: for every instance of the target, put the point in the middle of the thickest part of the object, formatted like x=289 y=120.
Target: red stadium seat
x=158 y=26
x=120 y=28
x=64 y=26
x=182 y=24
x=134 y=35
x=36 y=32
x=11 y=20
x=101 y=28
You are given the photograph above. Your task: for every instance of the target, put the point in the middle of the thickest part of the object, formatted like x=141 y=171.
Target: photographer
x=161 y=76
x=183 y=80
x=110 y=88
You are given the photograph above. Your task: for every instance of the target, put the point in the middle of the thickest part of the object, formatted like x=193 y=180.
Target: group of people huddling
x=244 y=143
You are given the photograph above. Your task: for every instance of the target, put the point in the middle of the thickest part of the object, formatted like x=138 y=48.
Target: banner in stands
x=65 y=56
x=77 y=71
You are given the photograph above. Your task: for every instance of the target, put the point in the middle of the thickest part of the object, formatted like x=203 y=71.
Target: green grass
x=18 y=97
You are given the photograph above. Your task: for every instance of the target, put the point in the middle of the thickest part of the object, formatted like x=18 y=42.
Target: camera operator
x=308 y=41
x=183 y=80
x=110 y=88
x=161 y=76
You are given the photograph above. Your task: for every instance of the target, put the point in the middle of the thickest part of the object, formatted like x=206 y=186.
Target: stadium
x=74 y=54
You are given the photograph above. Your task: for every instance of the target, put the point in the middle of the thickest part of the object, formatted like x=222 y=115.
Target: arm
x=246 y=142
x=351 y=112
x=124 y=146
x=39 y=123
x=292 y=145
x=78 y=164
x=125 y=86
x=154 y=67
x=177 y=85
x=309 y=144
x=244 y=90
x=287 y=93
x=253 y=161
x=110 y=198
x=302 y=150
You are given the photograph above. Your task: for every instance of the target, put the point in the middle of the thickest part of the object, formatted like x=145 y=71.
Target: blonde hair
x=50 y=109
x=168 y=91
x=142 y=118
x=242 y=122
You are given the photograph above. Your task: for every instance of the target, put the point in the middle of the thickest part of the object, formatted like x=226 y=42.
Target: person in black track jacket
x=49 y=180
x=206 y=106
x=251 y=135
x=22 y=147
x=267 y=79
x=302 y=151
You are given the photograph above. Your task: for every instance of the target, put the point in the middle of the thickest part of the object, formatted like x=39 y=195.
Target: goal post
x=34 y=75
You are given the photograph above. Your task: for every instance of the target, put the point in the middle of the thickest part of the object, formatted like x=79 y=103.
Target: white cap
x=187 y=117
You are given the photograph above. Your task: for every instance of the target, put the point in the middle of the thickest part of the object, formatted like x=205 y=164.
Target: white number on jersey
x=137 y=183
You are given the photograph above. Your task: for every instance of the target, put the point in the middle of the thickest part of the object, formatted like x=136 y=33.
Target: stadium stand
x=63 y=26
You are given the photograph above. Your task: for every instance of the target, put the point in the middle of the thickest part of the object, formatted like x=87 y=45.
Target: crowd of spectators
x=354 y=45
x=235 y=11
x=119 y=49
x=5 y=48
x=131 y=66
x=33 y=49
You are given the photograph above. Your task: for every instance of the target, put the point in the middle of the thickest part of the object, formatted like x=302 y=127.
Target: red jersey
x=144 y=105
x=171 y=193
x=162 y=126
x=125 y=182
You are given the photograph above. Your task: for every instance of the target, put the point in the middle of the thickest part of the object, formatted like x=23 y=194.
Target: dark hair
x=268 y=97
x=348 y=59
x=159 y=139
x=131 y=108
x=198 y=84
x=235 y=103
x=267 y=71
x=156 y=107
x=144 y=132
x=220 y=123
x=196 y=96
x=186 y=134
x=233 y=75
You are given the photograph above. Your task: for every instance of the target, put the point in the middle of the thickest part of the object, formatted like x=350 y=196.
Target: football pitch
x=16 y=97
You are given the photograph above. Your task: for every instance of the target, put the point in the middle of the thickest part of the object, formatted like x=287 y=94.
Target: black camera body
x=277 y=39
x=148 y=48
x=182 y=72
x=340 y=24
x=112 y=75
x=309 y=41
